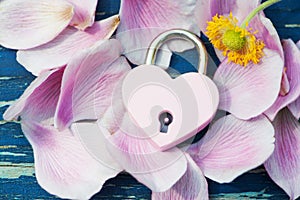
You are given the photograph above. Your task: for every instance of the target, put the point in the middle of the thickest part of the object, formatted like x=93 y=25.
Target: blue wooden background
x=17 y=180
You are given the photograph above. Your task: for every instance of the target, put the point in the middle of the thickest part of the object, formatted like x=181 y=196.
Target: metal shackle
x=177 y=34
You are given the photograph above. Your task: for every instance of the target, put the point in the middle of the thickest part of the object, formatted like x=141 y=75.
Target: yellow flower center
x=233 y=40
x=237 y=43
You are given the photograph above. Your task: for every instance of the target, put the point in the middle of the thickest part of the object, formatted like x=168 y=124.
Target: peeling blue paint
x=17 y=178
x=12 y=171
x=11 y=154
x=6 y=103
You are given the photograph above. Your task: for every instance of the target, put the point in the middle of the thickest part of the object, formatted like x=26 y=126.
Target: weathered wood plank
x=17 y=179
x=17 y=175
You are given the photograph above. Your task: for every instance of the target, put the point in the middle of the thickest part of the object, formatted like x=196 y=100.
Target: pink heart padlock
x=168 y=110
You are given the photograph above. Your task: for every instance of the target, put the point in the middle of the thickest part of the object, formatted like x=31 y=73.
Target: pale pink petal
x=267 y=33
x=238 y=8
x=192 y=185
x=62 y=165
x=91 y=137
x=246 y=92
x=84 y=13
x=39 y=100
x=298 y=44
x=137 y=155
x=284 y=164
x=59 y=51
x=142 y=21
x=30 y=23
x=114 y=114
x=295 y=108
x=292 y=64
x=88 y=83
x=203 y=14
x=163 y=57
x=233 y=146
x=285 y=84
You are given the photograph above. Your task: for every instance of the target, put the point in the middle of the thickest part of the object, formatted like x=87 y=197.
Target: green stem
x=256 y=10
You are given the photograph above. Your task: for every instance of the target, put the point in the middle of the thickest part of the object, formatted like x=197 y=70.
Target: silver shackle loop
x=177 y=34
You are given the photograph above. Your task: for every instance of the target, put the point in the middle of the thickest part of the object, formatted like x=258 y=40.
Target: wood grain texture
x=17 y=179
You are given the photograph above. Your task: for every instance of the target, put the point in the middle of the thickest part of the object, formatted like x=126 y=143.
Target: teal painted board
x=17 y=179
x=285 y=16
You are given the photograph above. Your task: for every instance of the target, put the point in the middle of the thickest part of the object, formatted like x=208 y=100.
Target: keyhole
x=165 y=120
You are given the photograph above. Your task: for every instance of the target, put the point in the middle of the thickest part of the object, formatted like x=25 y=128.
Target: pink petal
x=292 y=64
x=114 y=114
x=246 y=92
x=136 y=154
x=233 y=146
x=91 y=137
x=239 y=9
x=142 y=21
x=267 y=33
x=285 y=84
x=29 y=23
x=62 y=166
x=295 y=108
x=203 y=14
x=84 y=14
x=88 y=83
x=39 y=100
x=60 y=50
x=192 y=185
x=284 y=164
x=298 y=44
x=163 y=57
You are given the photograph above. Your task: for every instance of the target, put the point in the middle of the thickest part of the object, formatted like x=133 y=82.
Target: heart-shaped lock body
x=169 y=110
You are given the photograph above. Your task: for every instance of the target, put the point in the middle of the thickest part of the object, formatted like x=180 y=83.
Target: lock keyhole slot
x=165 y=119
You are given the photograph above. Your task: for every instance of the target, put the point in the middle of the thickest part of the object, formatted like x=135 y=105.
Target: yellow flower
x=237 y=43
